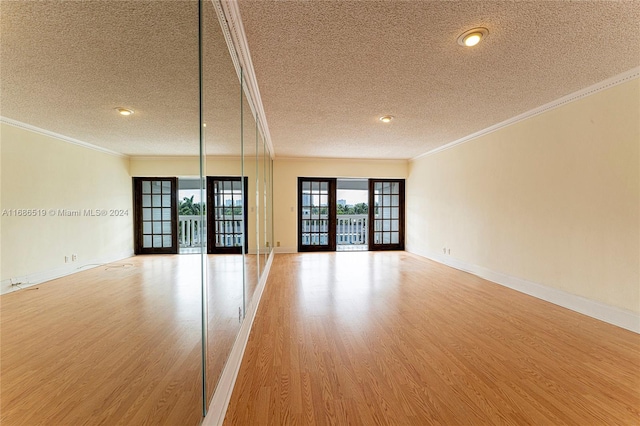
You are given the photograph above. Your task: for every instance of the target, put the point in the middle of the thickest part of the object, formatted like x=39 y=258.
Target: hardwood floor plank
x=118 y=344
x=390 y=338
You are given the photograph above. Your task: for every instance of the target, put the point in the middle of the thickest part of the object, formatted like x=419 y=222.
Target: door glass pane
x=146 y=187
x=166 y=227
x=146 y=241
x=157 y=201
x=155 y=187
x=146 y=201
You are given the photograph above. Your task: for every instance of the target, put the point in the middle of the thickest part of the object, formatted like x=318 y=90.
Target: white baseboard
x=6 y=286
x=613 y=315
x=220 y=401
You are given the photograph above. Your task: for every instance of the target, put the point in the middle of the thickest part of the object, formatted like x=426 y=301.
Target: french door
x=155 y=215
x=386 y=214
x=316 y=214
x=226 y=215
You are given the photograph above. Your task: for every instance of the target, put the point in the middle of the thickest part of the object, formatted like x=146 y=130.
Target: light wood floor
x=118 y=344
x=394 y=339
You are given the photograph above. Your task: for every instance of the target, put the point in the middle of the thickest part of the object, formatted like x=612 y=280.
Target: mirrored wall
x=136 y=188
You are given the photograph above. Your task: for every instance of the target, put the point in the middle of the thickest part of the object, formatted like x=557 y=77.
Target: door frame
x=332 y=214
x=211 y=230
x=137 y=217
x=401 y=214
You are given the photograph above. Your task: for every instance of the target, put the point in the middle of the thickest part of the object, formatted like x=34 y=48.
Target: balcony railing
x=352 y=229
x=189 y=231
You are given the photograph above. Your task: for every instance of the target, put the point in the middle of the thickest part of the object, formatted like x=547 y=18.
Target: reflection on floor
x=388 y=338
x=120 y=343
x=191 y=250
x=352 y=247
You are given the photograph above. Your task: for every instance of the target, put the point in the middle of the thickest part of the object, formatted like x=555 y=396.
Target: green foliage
x=186 y=206
x=360 y=208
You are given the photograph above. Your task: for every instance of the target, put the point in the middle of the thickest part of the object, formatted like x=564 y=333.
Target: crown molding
x=34 y=129
x=346 y=159
x=605 y=84
x=231 y=22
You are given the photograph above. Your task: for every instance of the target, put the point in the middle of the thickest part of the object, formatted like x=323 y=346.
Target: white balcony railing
x=352 y=229
x=189 y=231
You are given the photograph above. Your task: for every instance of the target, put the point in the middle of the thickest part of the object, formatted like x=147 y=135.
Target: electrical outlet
x=444 y=250
x=74 y=257
x=66 y=259
x=278 y=244
x=448 y=251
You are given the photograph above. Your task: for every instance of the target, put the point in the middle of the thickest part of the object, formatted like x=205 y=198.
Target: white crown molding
x=346 y=159
x=231 y=23
x=29 y=127
x=605 y=84
x=610 y=314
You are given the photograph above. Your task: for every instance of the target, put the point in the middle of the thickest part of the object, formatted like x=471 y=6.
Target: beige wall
x=553 y=199
x=187 y=166
x=285 y=180
x=40 y=172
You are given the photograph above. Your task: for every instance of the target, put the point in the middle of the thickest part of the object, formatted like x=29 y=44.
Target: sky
x=353 y=197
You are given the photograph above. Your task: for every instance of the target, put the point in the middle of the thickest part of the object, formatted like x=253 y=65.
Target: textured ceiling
x=326 y=70
x=65 y=66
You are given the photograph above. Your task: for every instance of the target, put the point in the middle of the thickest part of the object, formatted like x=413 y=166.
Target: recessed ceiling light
x=124 y=111
x=472 y=37
x=386 y=118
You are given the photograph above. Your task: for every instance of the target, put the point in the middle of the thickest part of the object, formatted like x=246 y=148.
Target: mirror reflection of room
x=111 y=176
